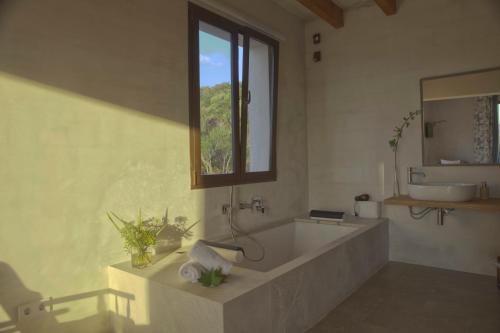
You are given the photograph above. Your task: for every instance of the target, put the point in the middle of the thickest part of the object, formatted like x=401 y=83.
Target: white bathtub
x=309 y=268
x=282 y=244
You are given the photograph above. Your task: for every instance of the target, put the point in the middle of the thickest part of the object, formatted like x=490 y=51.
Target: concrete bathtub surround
x=289 y=292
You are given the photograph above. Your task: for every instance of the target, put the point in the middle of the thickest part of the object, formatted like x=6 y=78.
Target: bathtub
x=284 y=243
x=309 y=268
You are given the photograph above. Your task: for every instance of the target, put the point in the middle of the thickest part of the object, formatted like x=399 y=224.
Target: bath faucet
x=227 y=209
x=410 y=172
x=257 y=203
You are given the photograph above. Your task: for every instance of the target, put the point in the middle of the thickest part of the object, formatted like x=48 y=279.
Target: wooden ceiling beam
x=327 y=10
x=389 y=7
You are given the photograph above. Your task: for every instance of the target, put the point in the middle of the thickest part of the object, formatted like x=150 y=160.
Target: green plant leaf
x=137 y=235
x=212 y=278
x=393 y=143
x=205 y=279
x=217 y=277
x=141 y=233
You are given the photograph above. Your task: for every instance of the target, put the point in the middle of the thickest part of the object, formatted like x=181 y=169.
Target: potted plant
x=138 y=236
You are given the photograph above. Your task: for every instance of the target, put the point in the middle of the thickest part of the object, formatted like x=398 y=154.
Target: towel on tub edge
x=191 y=271
x=208 y=258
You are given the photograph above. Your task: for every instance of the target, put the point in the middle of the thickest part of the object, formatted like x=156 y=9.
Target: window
x=233 y=102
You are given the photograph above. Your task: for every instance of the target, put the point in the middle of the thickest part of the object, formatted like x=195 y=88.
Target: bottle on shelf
x=484 y=191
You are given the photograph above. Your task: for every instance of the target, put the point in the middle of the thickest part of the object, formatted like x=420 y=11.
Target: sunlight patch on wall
x=131 y=313
x=67 y=160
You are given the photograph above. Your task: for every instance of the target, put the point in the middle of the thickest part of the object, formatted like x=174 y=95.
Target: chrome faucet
x=227 y=209
x=410 y=172
x=257 y=203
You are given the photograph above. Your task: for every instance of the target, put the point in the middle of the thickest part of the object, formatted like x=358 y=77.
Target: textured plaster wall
x=368 y=80
x=93 y=117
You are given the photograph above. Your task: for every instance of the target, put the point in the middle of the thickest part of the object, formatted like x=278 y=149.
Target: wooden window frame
x=239 y=175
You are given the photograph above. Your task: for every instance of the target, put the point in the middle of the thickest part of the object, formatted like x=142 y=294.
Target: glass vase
x=141 y=258
x=395 y=184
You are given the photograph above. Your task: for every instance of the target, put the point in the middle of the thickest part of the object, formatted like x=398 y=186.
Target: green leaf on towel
x=212 y=278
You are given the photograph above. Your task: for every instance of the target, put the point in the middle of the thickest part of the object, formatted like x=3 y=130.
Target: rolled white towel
x=208 y=258
x=230 y=255
x=191 y=271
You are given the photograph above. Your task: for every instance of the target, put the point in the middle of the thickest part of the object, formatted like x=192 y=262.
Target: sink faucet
x=410 y=172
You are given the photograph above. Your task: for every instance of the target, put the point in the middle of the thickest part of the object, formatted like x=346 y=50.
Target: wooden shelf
x=492 y=204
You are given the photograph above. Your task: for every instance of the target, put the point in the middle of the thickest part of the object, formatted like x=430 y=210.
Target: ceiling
x=294 y=7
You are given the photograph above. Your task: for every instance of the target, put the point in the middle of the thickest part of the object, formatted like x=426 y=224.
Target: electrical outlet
x=317 y=56
x=29 y=311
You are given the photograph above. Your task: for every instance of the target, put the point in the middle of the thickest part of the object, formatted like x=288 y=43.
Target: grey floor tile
x=411 y=298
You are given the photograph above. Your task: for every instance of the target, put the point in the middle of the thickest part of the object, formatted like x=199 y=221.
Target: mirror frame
x=422 y=113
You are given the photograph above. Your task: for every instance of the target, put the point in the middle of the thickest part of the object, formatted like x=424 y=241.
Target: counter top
x=492 y=204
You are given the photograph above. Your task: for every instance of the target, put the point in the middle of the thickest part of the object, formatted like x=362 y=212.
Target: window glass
x=241 y=40
x=216 y=120
x=260 y=108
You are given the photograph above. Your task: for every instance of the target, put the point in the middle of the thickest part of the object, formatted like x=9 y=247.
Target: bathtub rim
x=354 y=226
x=361 y=226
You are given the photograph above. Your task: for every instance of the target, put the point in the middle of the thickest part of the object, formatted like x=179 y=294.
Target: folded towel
x=452 y=162
x=208 y=258
x=191 y=271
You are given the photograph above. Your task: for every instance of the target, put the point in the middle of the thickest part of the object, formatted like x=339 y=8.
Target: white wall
x=368 y=80
x=94 y=118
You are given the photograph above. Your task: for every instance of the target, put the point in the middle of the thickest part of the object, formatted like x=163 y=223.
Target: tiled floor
x=404 y=298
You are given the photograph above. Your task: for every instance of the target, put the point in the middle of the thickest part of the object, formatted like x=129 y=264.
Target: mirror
x=461 y=119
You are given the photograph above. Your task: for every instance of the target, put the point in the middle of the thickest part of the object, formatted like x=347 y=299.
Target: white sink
x=455 y=192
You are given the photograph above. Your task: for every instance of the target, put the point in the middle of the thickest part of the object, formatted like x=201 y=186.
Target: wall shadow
x=171 y=237
x=114 y=51
x=16 y=293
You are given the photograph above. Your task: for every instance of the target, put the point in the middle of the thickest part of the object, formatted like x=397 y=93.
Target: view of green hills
x=216 y=133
